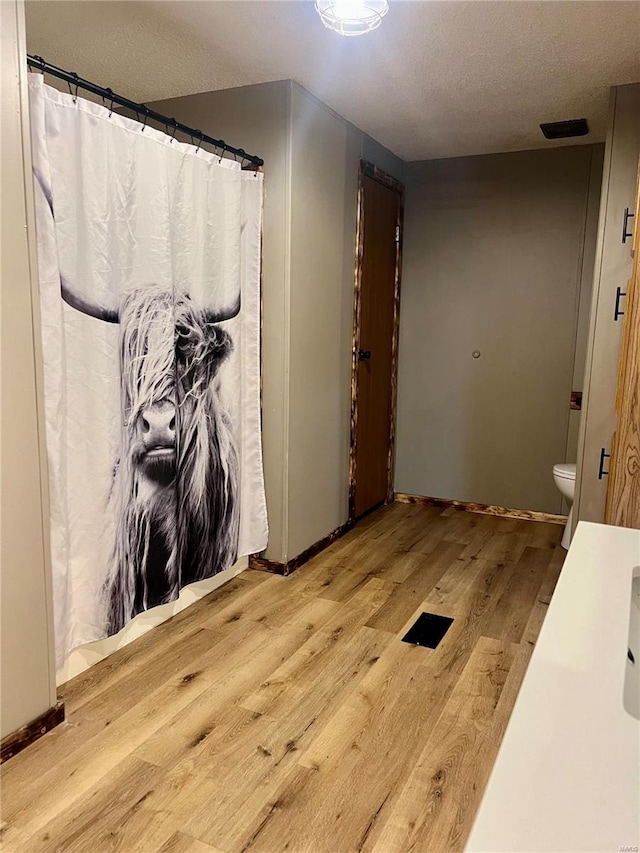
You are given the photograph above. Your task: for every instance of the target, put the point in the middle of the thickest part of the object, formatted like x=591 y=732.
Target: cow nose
x=159 y=425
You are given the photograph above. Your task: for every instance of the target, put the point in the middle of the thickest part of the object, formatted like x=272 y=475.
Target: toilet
x=564 y=476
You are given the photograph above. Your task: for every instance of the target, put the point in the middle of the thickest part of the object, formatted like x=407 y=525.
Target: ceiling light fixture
x=352 y=17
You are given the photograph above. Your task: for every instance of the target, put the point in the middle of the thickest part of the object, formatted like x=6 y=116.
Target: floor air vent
x=428 y=630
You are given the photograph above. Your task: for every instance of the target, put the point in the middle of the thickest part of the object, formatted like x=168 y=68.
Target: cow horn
x=232 y=310
x=227 y=313
x=109 y=315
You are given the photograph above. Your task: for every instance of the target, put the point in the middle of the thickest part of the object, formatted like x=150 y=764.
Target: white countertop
x=567 y=776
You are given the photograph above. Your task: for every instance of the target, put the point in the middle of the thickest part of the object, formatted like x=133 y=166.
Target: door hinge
x=603 y=456
x=397 y=233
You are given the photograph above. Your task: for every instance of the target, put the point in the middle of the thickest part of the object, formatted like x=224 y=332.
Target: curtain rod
x=73 y=79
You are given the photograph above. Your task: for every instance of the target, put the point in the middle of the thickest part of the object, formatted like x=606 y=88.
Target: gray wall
x=324 y=186
x=612 y=270
x=326 y=152
x=311 y=175
x=325 y=157
x=27 y=672
x=493 y=258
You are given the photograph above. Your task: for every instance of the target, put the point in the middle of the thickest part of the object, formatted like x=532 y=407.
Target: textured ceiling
x=438 y=79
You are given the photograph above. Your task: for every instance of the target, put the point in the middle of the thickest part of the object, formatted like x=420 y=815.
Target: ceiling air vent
x=564 y=129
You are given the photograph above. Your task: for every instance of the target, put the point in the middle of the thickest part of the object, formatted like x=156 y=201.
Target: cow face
x=176 y=482
x=170 y=356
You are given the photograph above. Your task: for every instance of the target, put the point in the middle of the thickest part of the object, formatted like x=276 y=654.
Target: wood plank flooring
x=285 y=714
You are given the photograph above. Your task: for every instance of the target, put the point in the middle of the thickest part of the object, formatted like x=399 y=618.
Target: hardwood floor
x=285 y=714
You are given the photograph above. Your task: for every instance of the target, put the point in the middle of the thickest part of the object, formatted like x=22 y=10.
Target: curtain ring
x=199 y=132
x=74 y=95
x=146 y=116
x=222 y=150
x=110 y=94
x=40 y=63
x=175 y=127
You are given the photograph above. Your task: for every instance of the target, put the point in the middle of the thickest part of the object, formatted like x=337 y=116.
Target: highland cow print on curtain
x=149 y=265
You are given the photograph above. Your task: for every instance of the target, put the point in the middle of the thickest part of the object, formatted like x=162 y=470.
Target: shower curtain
x=149 y=267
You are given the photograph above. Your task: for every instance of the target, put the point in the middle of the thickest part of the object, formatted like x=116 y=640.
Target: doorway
x=375 y=340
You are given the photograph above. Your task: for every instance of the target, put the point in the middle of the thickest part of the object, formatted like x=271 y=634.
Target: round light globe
x=352 y=17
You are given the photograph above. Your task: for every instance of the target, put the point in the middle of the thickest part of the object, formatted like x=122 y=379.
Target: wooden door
x=375 y=343
x=623 y=489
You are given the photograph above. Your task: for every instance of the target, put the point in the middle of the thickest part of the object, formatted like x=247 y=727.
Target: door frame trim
x=370 y=170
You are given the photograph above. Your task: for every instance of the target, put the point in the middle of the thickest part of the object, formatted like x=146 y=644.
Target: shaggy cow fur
x=176 y=513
